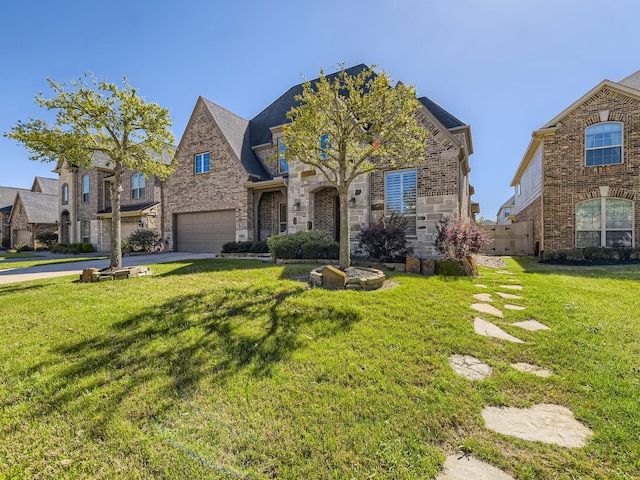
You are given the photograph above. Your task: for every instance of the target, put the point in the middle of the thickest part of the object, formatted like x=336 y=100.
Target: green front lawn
x=41 y=261
x=230 y=369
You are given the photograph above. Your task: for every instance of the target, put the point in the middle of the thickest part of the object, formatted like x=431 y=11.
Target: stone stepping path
x=504 y=272
x=486 y=308
x=531 y=325
x=458 y=467
x=488 y=329
x=512 y=287
x=509 y=296
x=533 y=369
x=513 y=307
x=541 y=423
x=546 y=423
x=469 y=367
x=483 y=297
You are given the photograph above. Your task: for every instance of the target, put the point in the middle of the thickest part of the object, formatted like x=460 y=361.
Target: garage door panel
x=205 y=231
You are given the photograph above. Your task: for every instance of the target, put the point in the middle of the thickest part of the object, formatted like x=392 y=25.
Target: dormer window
x=603 y=144
x=283 y=166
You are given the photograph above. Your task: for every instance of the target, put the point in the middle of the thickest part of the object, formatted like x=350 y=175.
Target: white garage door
x=205 y=231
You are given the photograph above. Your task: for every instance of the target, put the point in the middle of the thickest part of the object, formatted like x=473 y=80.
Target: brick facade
x=222 y=188
x=566 y=179
x=269 y=214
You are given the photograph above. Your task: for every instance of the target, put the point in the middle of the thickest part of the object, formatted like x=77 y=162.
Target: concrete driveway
x=75 y=268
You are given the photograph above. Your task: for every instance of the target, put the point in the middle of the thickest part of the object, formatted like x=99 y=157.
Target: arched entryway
x=65 y=223
x=272 y=214
x=326 y=211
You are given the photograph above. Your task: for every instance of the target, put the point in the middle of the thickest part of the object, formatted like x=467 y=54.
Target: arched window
x=65 y=194
x=603 y=144
x=138 y=183
x=604 y=222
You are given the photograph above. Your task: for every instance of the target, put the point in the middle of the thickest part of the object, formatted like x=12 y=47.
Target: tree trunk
x=345 y=243
x=116 y=243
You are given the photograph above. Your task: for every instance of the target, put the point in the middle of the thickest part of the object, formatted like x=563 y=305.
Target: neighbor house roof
x=8 y=196
x=39 y=207
x=509 y=203
x=102 y=161
x=139 y=208
x=236 y=131
x=45 y=185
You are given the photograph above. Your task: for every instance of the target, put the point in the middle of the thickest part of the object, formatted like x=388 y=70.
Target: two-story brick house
x=579 y=179
x=84 y=206
x=231 y=184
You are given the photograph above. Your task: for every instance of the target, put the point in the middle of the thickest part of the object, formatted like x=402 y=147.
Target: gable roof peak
x=632 y=81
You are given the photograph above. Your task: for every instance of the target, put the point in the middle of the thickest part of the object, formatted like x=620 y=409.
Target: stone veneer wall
x=222 y=188
x=566 y=179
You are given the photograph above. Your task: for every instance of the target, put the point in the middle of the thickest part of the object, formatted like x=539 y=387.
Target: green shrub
x=72 y=248
x=308 y=244
x=596 y=255
x=48 y=239
x=6 y=243
x=144 y=240
x=259 y=247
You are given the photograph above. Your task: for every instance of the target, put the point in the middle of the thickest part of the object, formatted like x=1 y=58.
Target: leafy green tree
x=350 y=125
x=98 y=118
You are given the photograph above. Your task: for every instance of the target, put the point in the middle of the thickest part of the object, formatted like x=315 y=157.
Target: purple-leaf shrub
x=457 y=238
x=385 y=240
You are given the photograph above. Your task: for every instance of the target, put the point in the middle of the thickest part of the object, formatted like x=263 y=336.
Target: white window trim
x=603 y=222
x=138 y=188
x=602 y=148
x=195 y=163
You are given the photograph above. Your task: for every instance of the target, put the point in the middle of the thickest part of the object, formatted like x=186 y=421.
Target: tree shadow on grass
x=13 y=288
x=188 y=267
x=622 y=271
x=146 y=362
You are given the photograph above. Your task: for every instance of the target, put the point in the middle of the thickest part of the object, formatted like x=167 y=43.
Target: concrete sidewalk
x=75 y=268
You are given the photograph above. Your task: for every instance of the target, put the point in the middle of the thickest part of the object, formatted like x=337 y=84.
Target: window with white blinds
x=400 y=196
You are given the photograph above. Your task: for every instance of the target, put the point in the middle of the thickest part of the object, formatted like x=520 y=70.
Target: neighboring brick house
x=33 y=212
x=579 y=179
x=7 y=199
x=230 y=184
x=84 y=206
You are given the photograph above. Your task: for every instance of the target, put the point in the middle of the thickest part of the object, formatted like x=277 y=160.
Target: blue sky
x=505 y=67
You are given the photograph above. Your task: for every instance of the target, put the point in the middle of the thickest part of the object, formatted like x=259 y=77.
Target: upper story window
x=604 y=222
x=65 y=194
x=85 y=189
x=507 y=212
x=201 y=163
x=400 y=196
x=324 y=145
x=283 y=167
x=603 y=144
x=138 y=184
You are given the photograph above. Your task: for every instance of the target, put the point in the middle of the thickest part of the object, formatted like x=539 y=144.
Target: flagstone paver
x=512 y=287
x=458 y=467
x=508 y=296
x=531 y=325
x=542 y=423
x=504 y=272
x=469 y=367
x=480 y=285
x=486 y=308
x=483 y=297
x=513 y=307
x=488 y=329
x=534 y=369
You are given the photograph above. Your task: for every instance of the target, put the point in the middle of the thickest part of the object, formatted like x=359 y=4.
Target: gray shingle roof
x=39 y=207
x=47 y=185
x=444 y=117
x=8 y=196
x=276 y=113
x=236 y=130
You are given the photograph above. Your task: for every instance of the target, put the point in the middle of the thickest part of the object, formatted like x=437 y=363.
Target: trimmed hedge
x=592 y=255
x=72 y=248
x=303 y=245
x=245 y=247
